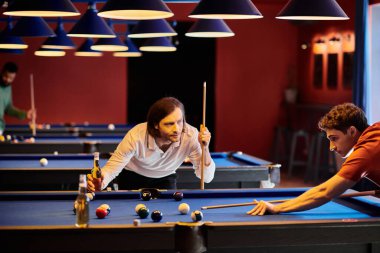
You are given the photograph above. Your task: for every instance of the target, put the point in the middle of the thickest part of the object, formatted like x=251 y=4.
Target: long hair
x=159 y=110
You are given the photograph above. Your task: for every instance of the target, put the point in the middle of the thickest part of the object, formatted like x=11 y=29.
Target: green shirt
x=6 y=106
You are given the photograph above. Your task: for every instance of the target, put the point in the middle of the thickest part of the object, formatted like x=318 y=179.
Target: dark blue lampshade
x=210 y=28
x=48 y=52
x=152 y=28
x=32 y=27
x=109 y=44
x=159 y=44
x=312 y=10
x=85 y=49
x=8 y=41
x=132 y=50
x=91 y=25
x=226 y=9
x=11 y=51
x=41 y=8
x=60 y=41
x=135 y=9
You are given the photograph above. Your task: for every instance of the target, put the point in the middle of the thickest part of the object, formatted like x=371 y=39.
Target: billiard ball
x=137 y=208
x=43 y=162
x=156 y=216
x=101 y=213
x=197 y=215
x=146 y=195
x=136 y=222
x=184 y=208
x=143 y=212
x=111 y=127
x=106 y=207
x=90 y=195
x=178 y=196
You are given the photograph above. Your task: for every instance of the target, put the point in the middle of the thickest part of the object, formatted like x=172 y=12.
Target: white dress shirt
x=139 y=152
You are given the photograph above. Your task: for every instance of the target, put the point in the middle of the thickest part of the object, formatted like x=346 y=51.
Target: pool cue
x=202 y=145
x=34 y=130
x=375 y=193
x=242 y=204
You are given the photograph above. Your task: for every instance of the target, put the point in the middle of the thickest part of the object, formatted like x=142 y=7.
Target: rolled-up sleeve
x=195 y=158
x=120 y=158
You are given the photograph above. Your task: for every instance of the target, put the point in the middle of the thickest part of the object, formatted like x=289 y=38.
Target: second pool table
x=24 y=172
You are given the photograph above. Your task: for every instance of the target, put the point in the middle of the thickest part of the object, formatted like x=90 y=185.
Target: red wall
x=71 y=88
x=308 y=94
x=251 y=74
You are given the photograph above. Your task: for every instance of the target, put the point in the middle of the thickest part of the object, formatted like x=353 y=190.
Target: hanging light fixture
x=32 y=27
x=8 y=41
x=312 y=10
x=50 y=52
x=226 y=9
x=132 y=50
x=152 y=28
x=61 y=40
x=91 y=25
x=209 y=28
x=41 y=8
x=159 y=44
x=109 y=44
x=135 y=10
x=85 y=49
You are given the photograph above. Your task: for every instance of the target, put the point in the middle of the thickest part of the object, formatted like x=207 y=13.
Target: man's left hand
x=204 y=136
x=262 y=208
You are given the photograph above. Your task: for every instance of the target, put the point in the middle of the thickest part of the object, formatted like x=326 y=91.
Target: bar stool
x=321 y=160
x=297 y=135
x=280 y=151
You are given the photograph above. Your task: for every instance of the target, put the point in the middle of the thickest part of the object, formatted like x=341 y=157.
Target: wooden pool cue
x=202 y=144
x=375 y=193
x=34 y=130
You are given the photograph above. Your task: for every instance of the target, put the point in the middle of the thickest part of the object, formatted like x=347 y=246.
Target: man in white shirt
x=150 y=153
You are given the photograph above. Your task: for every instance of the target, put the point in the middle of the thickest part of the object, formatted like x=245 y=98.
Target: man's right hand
x=94 y=184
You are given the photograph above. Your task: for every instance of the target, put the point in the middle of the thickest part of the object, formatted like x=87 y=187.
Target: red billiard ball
x=156 y=216
x=106 y=207
x=101 y=213
x=178 y=196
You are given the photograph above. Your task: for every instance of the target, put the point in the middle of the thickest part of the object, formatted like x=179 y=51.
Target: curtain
x=361 y=68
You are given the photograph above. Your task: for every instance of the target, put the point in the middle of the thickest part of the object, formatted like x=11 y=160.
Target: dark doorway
x=179 y=74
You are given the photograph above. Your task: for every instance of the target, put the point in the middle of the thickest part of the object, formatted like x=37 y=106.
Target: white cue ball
x=43 y=162
x=111 y=127
x=184 y=208
x=137 y=208
x=55 y=153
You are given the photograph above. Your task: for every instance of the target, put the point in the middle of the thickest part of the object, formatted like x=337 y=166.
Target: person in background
x=351 y=137
x=8 y=75
x=150 y=153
